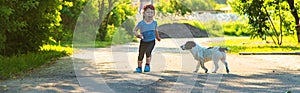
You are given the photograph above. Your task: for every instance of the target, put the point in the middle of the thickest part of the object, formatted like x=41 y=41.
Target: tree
x=267 y=18
x=69 y=15
x=294 y=12
x=173 y=7
x=27 y=24
x=104 y=23
x=199 y=5
x=112 y=13
x=116 y=12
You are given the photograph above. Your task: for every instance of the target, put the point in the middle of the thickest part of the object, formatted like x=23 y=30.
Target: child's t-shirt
x=147 y=30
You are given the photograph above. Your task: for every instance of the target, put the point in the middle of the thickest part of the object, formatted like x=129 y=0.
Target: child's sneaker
x=147 y=69
x=138 y=70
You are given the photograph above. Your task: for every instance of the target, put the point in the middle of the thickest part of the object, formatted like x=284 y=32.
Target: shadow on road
x=271 y=82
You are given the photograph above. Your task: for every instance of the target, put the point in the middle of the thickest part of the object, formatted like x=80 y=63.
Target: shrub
x=26 y=25
x=67 y=49
x=214 y=28
x=195 y=24
x=235 y=28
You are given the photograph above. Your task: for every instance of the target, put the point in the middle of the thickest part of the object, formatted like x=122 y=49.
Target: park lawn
x=245 y=44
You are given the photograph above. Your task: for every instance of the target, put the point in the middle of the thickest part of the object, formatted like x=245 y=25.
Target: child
x=148 y=33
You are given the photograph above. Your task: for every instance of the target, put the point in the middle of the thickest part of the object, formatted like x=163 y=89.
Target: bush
x=214 y=28
x=195 y=24
x=68 y=50
x=123 y=33
x=217 y=29
x=121 y=36
x=26 y=25
x=235 y=29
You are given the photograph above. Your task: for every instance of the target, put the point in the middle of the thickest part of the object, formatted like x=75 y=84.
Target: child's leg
x=148 y=56
x=142 y=50
x=149 y=52
x=148 y=60
x=140 y=63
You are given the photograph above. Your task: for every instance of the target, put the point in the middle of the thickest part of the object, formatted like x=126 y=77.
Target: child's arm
x=138 y=35
x=157 y=35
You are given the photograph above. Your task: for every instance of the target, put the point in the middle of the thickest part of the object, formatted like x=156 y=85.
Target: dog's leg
x=197 y=67
x=225 y=63
x=202 y=65
x=216 y=60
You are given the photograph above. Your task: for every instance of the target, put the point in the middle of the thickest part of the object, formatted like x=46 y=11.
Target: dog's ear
x=190 y=44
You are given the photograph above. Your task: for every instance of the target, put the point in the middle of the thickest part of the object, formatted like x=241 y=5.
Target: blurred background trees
x=269 y=18
x=28 y=25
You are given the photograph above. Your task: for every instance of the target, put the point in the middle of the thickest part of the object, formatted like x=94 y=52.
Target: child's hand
x=158 y=39
x=139 y=36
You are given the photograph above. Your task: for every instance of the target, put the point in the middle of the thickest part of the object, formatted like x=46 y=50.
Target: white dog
x=203 y=55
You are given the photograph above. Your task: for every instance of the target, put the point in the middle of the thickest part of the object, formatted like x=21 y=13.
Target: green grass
x=17 y=65
x=102 y=44
x=237 y=45
x=96 y=44
x=14 y=66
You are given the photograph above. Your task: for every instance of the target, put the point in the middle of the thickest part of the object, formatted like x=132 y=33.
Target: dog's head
x=188 y=45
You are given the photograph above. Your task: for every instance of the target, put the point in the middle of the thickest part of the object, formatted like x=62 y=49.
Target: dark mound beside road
x=180 y=30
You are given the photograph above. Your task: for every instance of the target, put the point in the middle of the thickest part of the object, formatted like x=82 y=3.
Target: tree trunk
x=104 y=23
x=298 y=32
x=296 y=17
x=100 y=13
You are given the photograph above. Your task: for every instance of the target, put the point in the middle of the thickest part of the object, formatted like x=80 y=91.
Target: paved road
x=111 y=70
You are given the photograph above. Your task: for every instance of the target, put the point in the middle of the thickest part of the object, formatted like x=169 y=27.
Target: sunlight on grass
x=244 y=44
x=57 y=48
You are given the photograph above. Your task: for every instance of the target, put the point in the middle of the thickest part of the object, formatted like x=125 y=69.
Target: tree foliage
x=69 y=15
x=26 y=25
x=116 y=13
x=294 y=7
x=120 y=10
x=173 y=7
x=200 y=5
x=267 y=18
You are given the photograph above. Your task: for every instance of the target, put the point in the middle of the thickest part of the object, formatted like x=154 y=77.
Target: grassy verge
x=96 y=44
x=237 y=45
x=102 y=44
x=14 y=66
